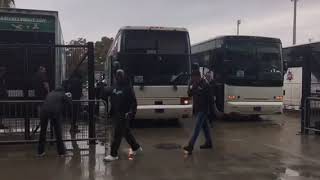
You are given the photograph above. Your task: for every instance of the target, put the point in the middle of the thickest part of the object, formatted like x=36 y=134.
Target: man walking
x=123 y=109
x=52 y=109
x=200 y=91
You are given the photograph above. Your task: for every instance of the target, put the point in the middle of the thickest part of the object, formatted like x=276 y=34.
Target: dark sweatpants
x=122 y=129
x=56 y=123
x=76 y=105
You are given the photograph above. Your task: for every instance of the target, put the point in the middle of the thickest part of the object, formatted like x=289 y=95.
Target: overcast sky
x=204 y=19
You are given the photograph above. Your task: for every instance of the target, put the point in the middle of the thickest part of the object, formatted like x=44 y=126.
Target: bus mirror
x=285 y=66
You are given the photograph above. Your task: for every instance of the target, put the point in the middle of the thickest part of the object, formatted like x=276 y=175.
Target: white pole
x=294 y=39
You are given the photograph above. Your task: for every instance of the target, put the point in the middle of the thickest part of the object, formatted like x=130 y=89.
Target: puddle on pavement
x=291 y=173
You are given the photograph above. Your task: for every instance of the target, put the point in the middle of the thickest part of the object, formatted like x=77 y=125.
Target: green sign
x=28 y=23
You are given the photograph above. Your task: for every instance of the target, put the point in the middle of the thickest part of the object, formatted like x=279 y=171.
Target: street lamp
x=294 y=21
x=238 y=26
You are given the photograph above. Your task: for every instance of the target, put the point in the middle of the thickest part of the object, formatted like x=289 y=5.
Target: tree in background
x=7 y=3
x=74 y=57
x=101 y=49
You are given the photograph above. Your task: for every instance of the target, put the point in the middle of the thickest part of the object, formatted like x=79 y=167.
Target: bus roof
x=240 y=38
x=313 y=44
x=158 y=28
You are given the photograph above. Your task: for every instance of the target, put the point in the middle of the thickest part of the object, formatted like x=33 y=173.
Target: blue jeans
x=202 y=123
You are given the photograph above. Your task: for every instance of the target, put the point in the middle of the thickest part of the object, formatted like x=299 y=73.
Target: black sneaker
x=206 y=146
x=188 y=150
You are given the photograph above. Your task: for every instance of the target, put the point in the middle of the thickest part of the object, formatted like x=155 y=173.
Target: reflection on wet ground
x=267 y=149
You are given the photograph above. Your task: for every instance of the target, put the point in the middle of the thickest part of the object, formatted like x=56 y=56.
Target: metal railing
x=312 y=115
x=20 y=122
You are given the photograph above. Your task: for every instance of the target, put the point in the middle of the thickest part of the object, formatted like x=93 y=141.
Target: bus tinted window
x=252 y=60
x=156 y=70
x=161 y=42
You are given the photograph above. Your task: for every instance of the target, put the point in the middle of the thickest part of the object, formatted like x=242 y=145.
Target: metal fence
x=21 y=63
x=312 y=115
x=20 y=122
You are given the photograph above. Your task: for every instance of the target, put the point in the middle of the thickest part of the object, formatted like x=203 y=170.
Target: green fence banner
x=29 y=23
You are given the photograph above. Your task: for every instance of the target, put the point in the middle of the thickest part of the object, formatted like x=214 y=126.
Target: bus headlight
x=232 y=98
x=185 y=101
x=278 y=98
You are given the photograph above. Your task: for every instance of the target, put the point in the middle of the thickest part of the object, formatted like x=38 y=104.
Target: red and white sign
x=290 y=76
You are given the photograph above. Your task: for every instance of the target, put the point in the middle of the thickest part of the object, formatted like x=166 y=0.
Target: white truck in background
x=293 y=88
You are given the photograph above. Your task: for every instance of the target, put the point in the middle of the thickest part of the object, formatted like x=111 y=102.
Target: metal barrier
x=21 y=124
x=312 y=115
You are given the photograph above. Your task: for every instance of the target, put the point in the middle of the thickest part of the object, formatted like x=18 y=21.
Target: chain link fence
x=312 y=115
x=20 y=122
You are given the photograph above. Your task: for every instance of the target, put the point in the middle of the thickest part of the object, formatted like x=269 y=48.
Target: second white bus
x=248 y=72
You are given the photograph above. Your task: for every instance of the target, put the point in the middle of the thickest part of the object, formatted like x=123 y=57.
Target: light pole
x=294 y=22
x=238 y=26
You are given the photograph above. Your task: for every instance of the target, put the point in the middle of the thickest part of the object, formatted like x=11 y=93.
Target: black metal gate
x=19 y=110
x=308 y=57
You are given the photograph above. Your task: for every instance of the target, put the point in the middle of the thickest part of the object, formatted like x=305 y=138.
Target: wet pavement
x=243 y=150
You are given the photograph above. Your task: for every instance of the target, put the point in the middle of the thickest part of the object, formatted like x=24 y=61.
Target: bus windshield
x=160 y=42
x=156 y=69
x=250 y=61
x=156 y=58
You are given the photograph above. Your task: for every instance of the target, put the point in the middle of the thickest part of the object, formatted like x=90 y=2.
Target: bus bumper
x=164 y=111
x=253 y=108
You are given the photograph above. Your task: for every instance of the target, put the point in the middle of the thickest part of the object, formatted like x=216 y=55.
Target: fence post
x=307 y=116
x=306 y=84
x=92 y=128
x=25 y=110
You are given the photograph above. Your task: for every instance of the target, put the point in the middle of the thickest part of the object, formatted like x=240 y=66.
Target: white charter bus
x=248 y=72
x=157 y=62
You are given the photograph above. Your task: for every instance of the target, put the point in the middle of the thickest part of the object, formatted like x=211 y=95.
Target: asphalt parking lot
x=262 y=149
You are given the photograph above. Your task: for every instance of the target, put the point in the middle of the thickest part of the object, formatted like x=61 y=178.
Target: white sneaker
x=41 y=155
x=110 y=158
x=134 y=153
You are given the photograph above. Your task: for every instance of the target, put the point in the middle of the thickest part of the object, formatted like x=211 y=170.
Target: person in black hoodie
x=123 y=109
x=74 y=86
x=52 y=109
x=199 y=90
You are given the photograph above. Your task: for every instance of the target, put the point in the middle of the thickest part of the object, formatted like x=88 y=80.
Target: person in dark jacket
x=74 y=85
x=52 y=109
x=41 y=83
x=200 y=92
x=123 y=109
x=3 y=95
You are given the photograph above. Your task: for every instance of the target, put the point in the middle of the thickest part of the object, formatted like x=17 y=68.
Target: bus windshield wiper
x=175 y=79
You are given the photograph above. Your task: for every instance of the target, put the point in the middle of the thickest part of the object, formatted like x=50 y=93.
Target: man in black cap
x=123 y=109
x=52 y=109
x=199 y=90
